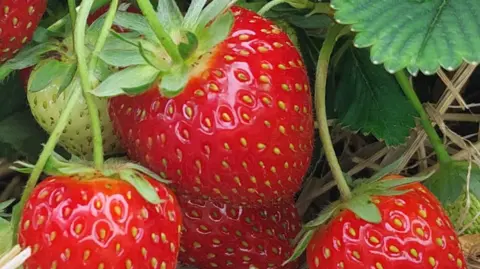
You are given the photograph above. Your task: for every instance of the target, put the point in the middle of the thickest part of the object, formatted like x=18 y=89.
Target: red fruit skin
x=218 y=235
x=415 y=233
x=18 y=21
x=102 y=223
x=242 y=129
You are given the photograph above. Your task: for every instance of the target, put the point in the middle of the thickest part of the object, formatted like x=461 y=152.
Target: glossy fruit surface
x=217 y=235
x=414 y=233
x=242 y=128
x=99 y=223
x=18 y=21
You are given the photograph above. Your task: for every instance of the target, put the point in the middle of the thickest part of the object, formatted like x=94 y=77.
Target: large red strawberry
x=91 y=220
x=414 y=232
x=240 y=130
x=217 y=235
x=18 y=21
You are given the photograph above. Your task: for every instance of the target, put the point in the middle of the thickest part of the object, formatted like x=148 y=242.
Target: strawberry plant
x=238 y=133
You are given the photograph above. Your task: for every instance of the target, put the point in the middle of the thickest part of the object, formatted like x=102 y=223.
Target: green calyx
x=164 y=44
x=361 y=203
x=114 y=168
x=456 y=184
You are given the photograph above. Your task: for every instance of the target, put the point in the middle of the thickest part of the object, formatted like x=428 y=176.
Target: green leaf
x=29 y=55
x=449 y=181
x=134 y=22
x=212 y=11
x=150 y=58
x=128 y=78
x=418 y=35
x=146 y=190
x=324 y=216
x=48 y=72
x=187 y=48
x=169 y=15
x=193 y=14
x=65 y=78
x=369 y=100
x=6 y=235
x=174 y=82
x=217 y=32
x=364 y=208
x=40 y=35
x=301 y=246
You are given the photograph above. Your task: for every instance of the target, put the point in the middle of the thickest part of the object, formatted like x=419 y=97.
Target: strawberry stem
x=79 y=37
x=72 y=10
x=45 y=155
x=164 y=38
x=442 y=154
x=320 y=101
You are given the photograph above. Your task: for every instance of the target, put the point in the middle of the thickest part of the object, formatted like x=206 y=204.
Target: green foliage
x=369 y=100
x=418 y=35
x=20 y=136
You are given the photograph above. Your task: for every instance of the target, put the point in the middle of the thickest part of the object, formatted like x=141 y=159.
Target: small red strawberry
x=18 y=21
x=240 y=130
x=413 y=232
x=90 y=220
x=218 y=235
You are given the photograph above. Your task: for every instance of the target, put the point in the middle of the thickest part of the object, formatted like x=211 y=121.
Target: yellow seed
x=199 y=93
x=86 y=254
x=414 y=252
x=277 y=45
x=265 y=66
x=439 y=242
x=459 y=263
x=262 y=49
x=374 y=240
x=326 y=253
x=266 y=101
x=253 y=180
x=134 y=231
x=422 y=213
x=420 y=232
x=243 y=37
x=264 y=79
x=189 y=111
x=268 y=184
x=378 y=265
x=356 y=254
x=352 y=232
x=245 y=117
x=244 y=53
x=243 y=141
x=285 y=87
x=432 y=261
x=213 y=87
x=277 y=151
x=394 y=249
x=282 y=66
x=53 y=235
x=261 y=146
x=247 y=99
x=154 y=262
x=229 y=58
x=398 y=222
x=208 y=122
x=281 y=105
x=226 y=117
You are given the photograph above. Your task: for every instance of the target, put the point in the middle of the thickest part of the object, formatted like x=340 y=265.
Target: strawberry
x=240 y=129
x=218 y=235
x=18 y=21
x=47 y=105
x=414 y=232
x=114 y=219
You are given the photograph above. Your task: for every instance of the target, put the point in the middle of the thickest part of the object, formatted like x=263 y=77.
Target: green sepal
x=3 y=206
x=67 y=77
x=364 y=208
x=149 y=57
x=28 y=56
x=134 y=22
x=450 y=180
x=324 y=216
x=211 y=12
x=50 y=71
x=398 y=182
x=174 y=82
x=187 y=48
x=146 y=190
x=121 y=54
x=193 y=14
x=388 y=169
x=301 y=246
x=169 y=15
x=40 y=35
x=217 y=32
x=129 y=78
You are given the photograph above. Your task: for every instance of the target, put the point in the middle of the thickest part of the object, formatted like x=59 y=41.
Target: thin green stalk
x=435 y=140
x=80 y=26
x=47 y=151
x=72 y=10
x=165 y=39
x=60 y=23
x=270 y=5
x=102 y=38
x=320 y=102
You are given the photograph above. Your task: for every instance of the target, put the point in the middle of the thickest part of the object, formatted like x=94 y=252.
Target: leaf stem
x=320 y=101
x=46 y=153
x=79 y=37
x=164 y=38
x=102 y=38
x=442 y=154
x=72 y=10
